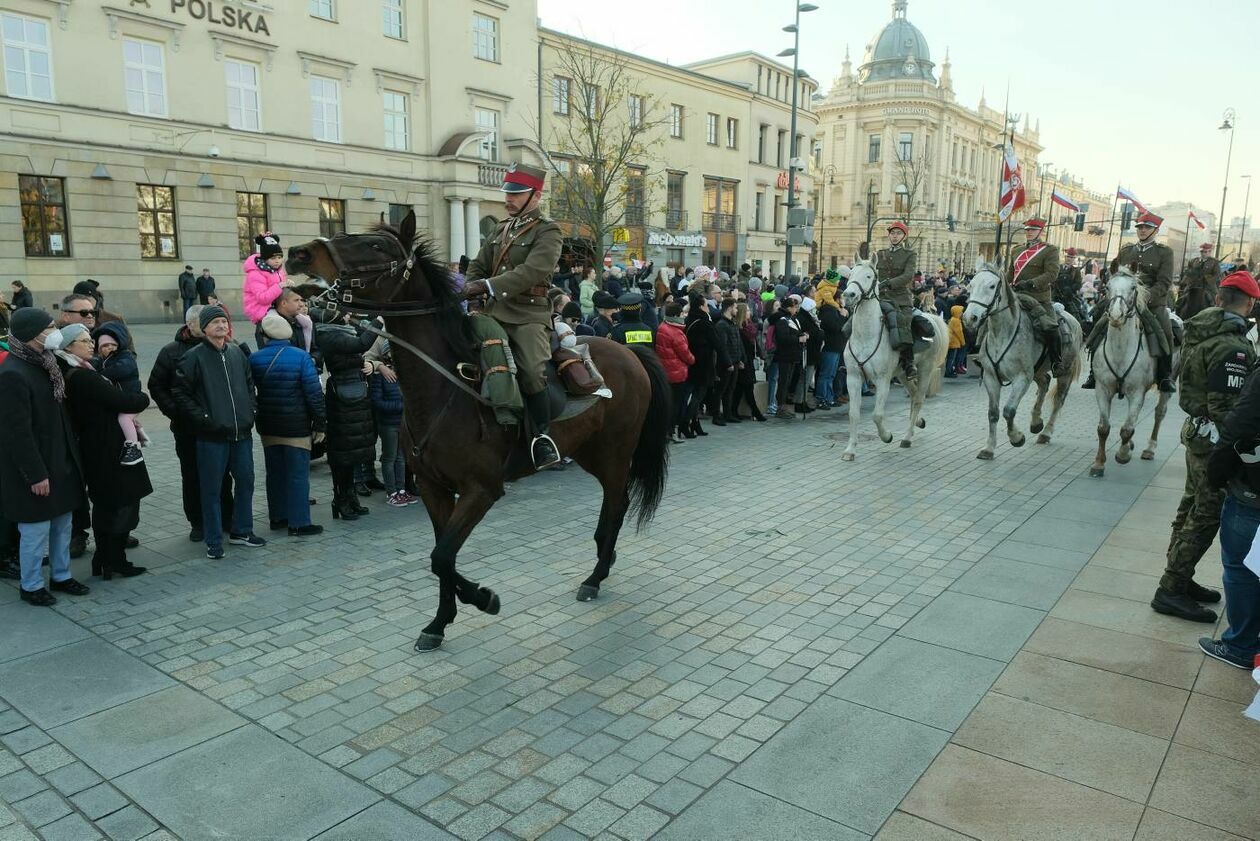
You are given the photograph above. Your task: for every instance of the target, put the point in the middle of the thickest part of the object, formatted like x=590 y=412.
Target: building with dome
x=893 y=142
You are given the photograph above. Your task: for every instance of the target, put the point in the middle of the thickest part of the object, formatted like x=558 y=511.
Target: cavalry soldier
x=630 y=328
x=1032 y=275
x=1154 y=262
x=1198 y=282
x=895 y=267
x=1067 y=288
x=1215 y=361
x=513 y=271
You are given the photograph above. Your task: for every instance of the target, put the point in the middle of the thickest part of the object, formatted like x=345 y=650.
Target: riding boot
x=1163 y=373
x=1054 y=349
x=1089 y=381
x=542 y=449
x=907 y=363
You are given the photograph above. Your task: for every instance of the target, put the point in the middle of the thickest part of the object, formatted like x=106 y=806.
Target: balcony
x=636 y=217
x=491 y=175
x=675 y=220
x=720 y=221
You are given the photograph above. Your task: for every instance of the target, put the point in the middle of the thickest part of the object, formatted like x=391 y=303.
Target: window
x=778 y=150
x=905 y=146
x=488 y=121
x=675 y=256
x=45 y=227
x=145 y=75
x=774 y=222
x=675 y=216
x=761 y=143
x=732 y=133
x=561 y=207
x=251 y=220
x=561 y=91
x=759 y=201
x=397 y=126
x=636 y=111
x=590 y=101
x=872 y=149
x=325 y=109
x=901 y=201
x=676 y=121
x=635 y=198
x=392 y=18
x=485 y=38
x=155 y=206
x=27 y=57
x=710 y=129
x=322 y=9
x=243 y=100
x=397 y=213
x=332 y=217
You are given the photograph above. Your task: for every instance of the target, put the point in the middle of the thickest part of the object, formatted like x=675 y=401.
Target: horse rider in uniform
x=1198 y=282
x=630 y=328
x=1154 y=262
x=1215 y=360
x=513 y=273
x=1032 y=275
x=894 y=268
x=1067 y=287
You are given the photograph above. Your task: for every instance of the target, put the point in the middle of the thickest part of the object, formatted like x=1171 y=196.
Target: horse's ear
x=981 y=264
x=407 y=230
x=864 y=251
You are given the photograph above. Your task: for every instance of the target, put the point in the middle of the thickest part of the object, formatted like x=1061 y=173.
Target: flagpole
x=997 y=244
x=1111 y=223
x=1185 y=245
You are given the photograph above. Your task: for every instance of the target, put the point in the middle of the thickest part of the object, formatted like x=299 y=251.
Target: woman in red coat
x=676 y=358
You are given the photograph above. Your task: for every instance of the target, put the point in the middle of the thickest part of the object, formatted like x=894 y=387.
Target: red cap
x=899 y=226
x=1209 y=246
x=1149 y=219
x=1243 y=282
x=1039 y=224
x=520 y=178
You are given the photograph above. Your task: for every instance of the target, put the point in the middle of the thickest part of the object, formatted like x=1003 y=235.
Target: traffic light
x=1126 y=216
x=1079 y=224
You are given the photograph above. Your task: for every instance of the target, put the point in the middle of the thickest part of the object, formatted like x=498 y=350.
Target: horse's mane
x=436 y=277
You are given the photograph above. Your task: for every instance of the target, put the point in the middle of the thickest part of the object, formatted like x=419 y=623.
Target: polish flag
x=1012 y=195
x=1128 y=196
x=1190 y=216
x=1063 y=201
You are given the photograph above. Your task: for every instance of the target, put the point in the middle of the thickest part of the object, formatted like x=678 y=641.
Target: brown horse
x=461 y=457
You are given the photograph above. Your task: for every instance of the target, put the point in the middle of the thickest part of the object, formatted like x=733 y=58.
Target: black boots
x=1181 y=605
x=1054 y=349
x=907 y=363
x=110 y=558
x=543 y=450
x=1163 y=374
x=345 y=504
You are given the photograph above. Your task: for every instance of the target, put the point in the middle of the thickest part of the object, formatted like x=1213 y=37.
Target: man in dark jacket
x=215 y=391
x=162 y=382
x=187 y=288
x=40 y=478
x=205 y=286
x=605 y=307
x=728 y=378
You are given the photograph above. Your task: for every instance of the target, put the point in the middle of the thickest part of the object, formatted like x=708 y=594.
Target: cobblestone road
x=275 y=695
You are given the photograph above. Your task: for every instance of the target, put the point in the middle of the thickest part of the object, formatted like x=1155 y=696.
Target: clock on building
x=909 y=67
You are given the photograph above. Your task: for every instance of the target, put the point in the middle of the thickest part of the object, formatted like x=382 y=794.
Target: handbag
x=351 y=391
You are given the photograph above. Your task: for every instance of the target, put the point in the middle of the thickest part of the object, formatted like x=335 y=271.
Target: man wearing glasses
x=78 y=309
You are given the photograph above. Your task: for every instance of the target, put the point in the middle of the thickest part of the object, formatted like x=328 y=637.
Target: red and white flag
x=1012 y=195
x=1191 y=217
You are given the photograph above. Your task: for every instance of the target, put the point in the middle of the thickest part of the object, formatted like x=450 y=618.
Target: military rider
x=1215 y=360
x=894 y=268
x=630 y=328
x=1154 y=263
x=513 y=271
x=1198 y=282
x=1032 y=274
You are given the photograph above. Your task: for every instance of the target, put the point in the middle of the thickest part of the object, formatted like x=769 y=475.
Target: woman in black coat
x=115 y=489
x=351 y=427
x=710 y=354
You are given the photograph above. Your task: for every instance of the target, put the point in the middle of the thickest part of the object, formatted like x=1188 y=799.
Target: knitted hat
x=105 y=339
x=268 y=245
x=27 y=323
x=781 y=291
x=767 y=297
x=69 y=334
x=274 y=326
x=210 y=313
x=754 y=284
x=572 y=310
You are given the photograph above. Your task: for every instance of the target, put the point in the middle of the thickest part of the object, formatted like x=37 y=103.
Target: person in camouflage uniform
x=1032 y=274
x=1154 y=262
x=894 y=268
x=1197 y=288
x=1215 y=361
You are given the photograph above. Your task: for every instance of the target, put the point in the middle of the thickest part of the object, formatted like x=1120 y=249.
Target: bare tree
x=913 y=174
x=599 y=138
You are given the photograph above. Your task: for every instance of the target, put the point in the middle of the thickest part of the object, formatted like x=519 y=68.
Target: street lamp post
x=1242 y=232
x=829 y=174
x=795 y=29
x=1227 y=124
x=870 y=210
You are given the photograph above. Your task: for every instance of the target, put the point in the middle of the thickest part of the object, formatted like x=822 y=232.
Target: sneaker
x=412 y=499
x=214 y=553
x=1220 y=651
x=130 y=454
x=251 y=540
x=396 y=500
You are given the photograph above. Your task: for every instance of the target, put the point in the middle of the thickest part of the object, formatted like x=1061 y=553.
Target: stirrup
x=533 y=452
x=603 y=391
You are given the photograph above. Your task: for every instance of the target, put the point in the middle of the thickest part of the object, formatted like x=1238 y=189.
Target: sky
x=1127 y=93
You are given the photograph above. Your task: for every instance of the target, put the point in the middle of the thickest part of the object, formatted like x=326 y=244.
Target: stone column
x=472 y=228
x=457 y=229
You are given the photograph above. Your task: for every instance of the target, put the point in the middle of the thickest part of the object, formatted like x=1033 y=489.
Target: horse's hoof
x=428 y=642
x=905 y=445
x=1095 y=472
x=1043 y=439
x=1123 y=459
x=1147 y=455
x=922 y=424
x=1036 y=427
x=487 y=601
x=587 y=593
x=1019 y=442
x=886 y=438
x=847 y=456
x=985 y=455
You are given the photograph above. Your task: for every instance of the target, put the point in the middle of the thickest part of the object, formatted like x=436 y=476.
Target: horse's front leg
x=1035 y=423
x=1104 y=394
x=855 y=379
x=993 y=388
x=1124 y=453
x=468 y=511
x=1161 y=409
x=1019 y=387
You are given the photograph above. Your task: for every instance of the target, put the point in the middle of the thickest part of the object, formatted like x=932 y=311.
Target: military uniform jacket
x=520 y=280
x=894 y=268
x=1155 y=263
x=1038 y=275
x=1214 y=363
x=1201 y=273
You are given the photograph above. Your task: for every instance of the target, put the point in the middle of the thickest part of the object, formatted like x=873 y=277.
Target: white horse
x=870 y=354
x=1124 y=367
x=1009 y=355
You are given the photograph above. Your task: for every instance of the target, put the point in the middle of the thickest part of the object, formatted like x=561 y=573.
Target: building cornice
x=220 y=39
x=114 y=15
x=310 y=59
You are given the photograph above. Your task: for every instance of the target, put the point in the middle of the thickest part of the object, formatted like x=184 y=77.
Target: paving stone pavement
x=755 y=667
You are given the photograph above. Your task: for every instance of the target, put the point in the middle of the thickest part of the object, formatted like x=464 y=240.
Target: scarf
x=261 y=265
x=73 y=361
x=42 y=359
x=674 y=319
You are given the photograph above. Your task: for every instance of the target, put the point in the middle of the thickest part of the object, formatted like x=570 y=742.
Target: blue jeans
x=1242 y=589
x=187 y=302
x=51 y=538
x=825 y=389
x=214 y=460
x=288 y=484
x=772 y=382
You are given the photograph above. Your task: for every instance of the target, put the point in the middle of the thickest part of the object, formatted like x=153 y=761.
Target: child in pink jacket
x=264 y=276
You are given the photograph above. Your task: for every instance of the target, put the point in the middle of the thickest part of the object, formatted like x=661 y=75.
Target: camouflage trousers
x=1196 y=523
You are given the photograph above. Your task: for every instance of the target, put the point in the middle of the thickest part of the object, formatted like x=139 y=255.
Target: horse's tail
x=650 y=464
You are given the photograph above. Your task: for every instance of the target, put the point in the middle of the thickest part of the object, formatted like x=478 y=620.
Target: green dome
x=899 y=51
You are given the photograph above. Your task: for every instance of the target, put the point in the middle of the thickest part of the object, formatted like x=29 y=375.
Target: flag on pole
x=1195 y=219
x=1063 y=201
x=1129 y=197
x=1012 y=195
